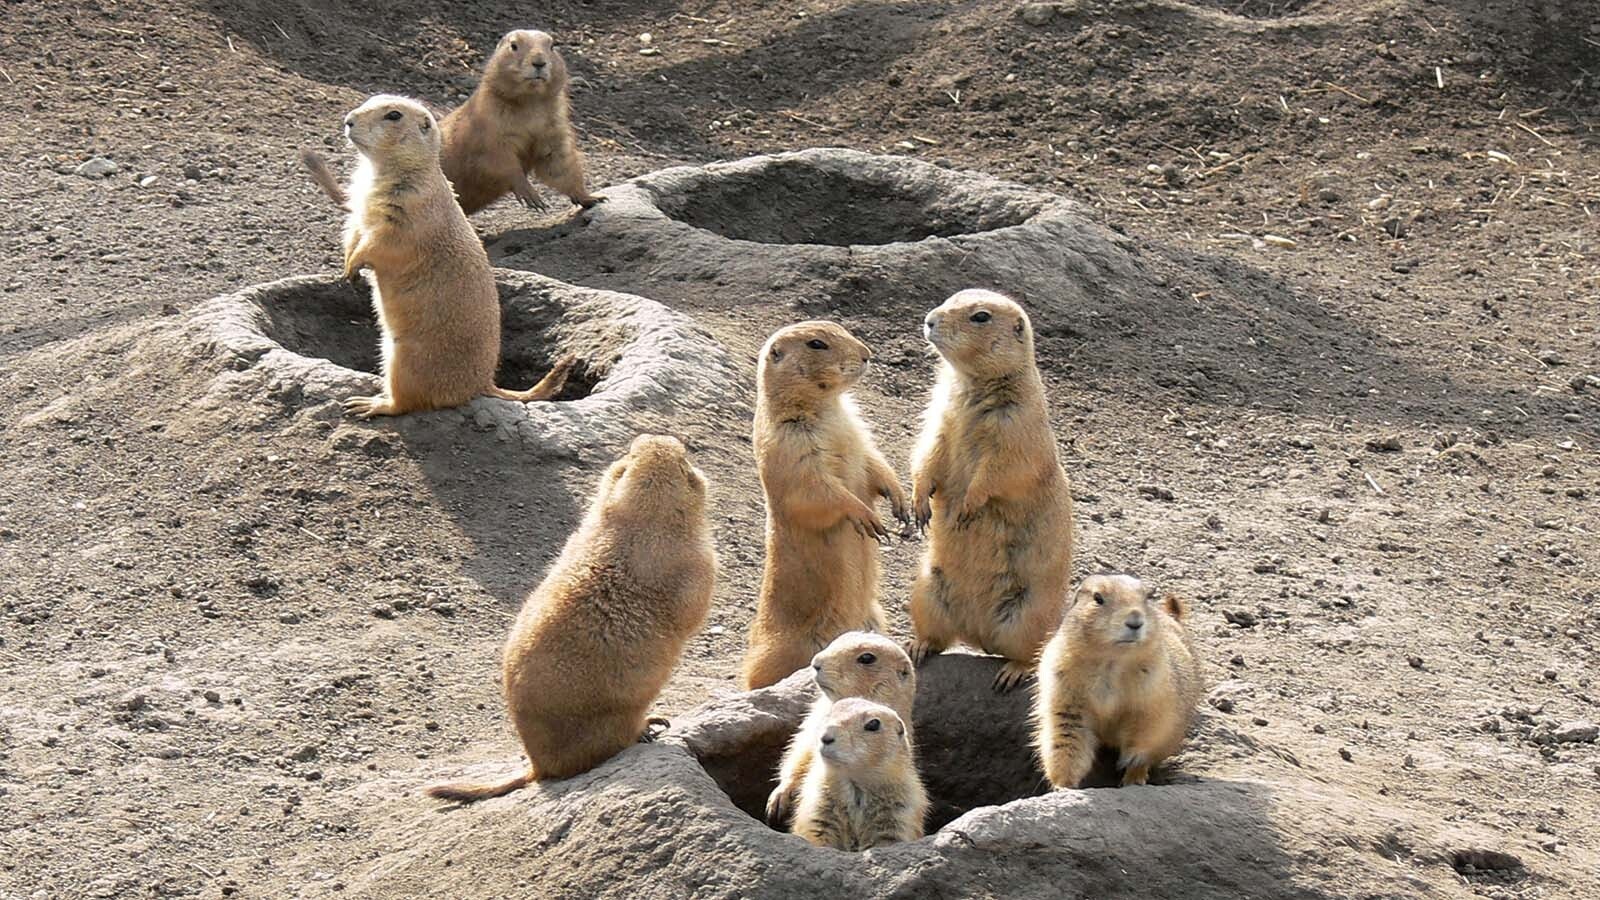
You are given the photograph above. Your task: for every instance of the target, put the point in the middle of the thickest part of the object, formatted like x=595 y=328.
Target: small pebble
x=97 y=167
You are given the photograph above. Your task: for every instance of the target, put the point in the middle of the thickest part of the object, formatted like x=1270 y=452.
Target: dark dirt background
x=214 y=632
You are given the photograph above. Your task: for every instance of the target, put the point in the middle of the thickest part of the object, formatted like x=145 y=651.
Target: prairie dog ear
x=1021 y=329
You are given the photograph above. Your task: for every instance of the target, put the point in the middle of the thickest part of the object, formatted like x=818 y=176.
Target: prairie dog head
x=653 y=481
x=525 y=62
x=811 y=361
x=392 y=129
x=1118 y=613
x=863 y=737
x=981 y=333
x=864 y=664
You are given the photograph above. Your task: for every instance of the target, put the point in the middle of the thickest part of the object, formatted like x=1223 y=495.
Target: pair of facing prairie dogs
x=987 y=485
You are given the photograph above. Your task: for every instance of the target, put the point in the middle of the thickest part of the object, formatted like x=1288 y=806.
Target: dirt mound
x=679 y=817
x=316 y=339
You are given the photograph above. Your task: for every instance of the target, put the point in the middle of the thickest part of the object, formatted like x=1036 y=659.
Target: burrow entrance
x=335 y=321
x=974 y=747
x=796 y=200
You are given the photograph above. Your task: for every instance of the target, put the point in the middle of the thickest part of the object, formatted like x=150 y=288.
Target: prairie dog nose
x=1135 y=622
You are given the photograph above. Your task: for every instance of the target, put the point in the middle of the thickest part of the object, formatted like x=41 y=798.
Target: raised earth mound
x=313 y=341
x=876 y=241
x=678 y=818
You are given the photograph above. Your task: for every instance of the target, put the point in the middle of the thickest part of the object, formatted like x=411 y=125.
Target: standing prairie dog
x=821 y=474
x=1120 y=672
x=432 y=288
x=856 y=664
x=597 y=640
x=863 y=791
x=986 y=473
x=517 y=120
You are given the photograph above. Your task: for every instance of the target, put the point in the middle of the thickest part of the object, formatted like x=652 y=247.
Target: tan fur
x=1103 y=683
x=986 y=473
x=598 y=639
x=432 y=288
x=856 y=664
x=324 y=177
x=863 y=790
x=821 y=474
x=517 y=121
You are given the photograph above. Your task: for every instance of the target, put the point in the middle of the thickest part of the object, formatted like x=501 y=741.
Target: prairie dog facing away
x=432 y=288
x=989 y=486
x=597 y=640
x=1120 y=672
x=863 y=791
x=517 y=121
x=857 y=664
x=821 y=474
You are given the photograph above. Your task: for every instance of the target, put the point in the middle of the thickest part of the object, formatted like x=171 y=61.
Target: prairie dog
x=517 y=120
x=1120 y=672
x=987 y=477
x=863 y=791
x=432 y=288
x=598 y=639
x=821 y=474
x=856 y=664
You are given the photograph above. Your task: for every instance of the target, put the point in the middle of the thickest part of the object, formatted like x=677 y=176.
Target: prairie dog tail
x=548 y=386
x=468 y=791
x=323 y=176
x=1178 y=607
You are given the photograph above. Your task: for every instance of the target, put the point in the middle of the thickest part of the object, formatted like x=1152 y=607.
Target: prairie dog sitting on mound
x=821 y=475
x=863 y=791
x=598 y=639
x=432 y=288
x=517 y=120
x=1120 y=672
x=986 y=474
x=856 y=664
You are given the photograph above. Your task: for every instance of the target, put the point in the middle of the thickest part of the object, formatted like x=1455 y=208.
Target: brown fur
x=821 y=474
x=863 y=791
x=517 y=121
x=432 y=287
x=986 y=474
x=856 y=664
x=1105 y=684
x=598 y=639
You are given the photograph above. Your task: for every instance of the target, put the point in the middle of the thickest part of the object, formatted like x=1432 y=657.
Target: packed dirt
x=1344 y=394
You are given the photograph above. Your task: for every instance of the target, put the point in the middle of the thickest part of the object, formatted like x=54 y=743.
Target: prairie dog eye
x=981 y=315
x=392 y=115
x=1099 y=599
x=873 y=725
x=816 y=344
x=867 y=659
x=513 y=46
